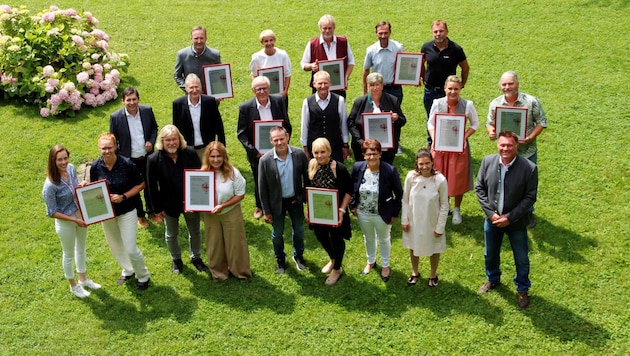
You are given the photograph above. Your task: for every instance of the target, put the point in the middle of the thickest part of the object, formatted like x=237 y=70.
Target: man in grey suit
x=263 y=107
x=281 y=178
x=506 y=187
x=135 y=129
x=192 y=59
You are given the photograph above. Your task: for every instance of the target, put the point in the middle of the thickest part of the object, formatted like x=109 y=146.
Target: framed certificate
x=261 y=134
x=337 y=73
x=322 y=206
x=408 y=68
x=509 y=118
x=94 y=203
x=218 y=79
x=380 y=127
x=199 y=190
x=449 y=132
x=276 y=78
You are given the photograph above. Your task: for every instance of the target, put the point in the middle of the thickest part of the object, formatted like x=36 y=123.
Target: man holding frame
x=326 y=47
x=165 y=177
x=381 y=57
x=263 y=107
x=536 y=120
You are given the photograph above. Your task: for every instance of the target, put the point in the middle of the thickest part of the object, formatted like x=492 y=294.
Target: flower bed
x=57 y=59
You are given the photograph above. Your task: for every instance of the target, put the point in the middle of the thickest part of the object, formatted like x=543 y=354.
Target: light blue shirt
x=60 y=197
x=504 y=168
x=285 y=172
x=382 y=60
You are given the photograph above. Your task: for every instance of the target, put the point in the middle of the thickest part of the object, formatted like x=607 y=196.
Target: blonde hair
x=317 y=144
x=267 y=33
x=226 y=168
x=168 y=130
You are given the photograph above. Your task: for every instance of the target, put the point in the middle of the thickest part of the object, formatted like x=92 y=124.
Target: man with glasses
x=262 y=107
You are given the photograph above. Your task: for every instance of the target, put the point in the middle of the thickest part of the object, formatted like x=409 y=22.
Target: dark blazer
x=362 y=105
x=248 y=112
x=520 y=189
x=389 y=189
x=211 y=122
x=119 y=127
x=269 y=180
x=161 y=191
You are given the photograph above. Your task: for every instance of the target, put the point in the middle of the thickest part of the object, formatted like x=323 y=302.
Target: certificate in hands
x=322 y=206
x=199 y=190
x=337 y=73
x=449 y=132
x=509 y=118
x=94 y=203
x=380 y=127
x=275 y=76
x=408 y=68
x=218 y=79
x=262 y=129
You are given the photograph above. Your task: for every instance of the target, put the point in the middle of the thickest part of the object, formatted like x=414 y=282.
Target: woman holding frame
x=456 y=166
x=226 y=244
x=324 y=172
x=61 y=205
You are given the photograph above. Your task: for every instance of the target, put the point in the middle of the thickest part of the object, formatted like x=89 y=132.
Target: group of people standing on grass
x=372 y=191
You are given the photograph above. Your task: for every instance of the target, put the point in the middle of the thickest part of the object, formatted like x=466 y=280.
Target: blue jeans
x=296 y=215
x=429 y=96
x=493 y=237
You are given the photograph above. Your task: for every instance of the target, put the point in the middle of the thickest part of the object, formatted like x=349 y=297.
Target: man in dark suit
x=165 y=177
x=263 y=107
x=282 y=175
x=135 y=129
x=506 y=187
x=197 y=117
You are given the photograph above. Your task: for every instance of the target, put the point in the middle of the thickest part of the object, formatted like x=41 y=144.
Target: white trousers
x=73 y=239
x=120 y=234
x=373 y=227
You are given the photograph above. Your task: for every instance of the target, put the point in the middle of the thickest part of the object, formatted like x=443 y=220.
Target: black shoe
x=178 y=266
x=124 y=279
x=532 y=221
x=281 y=266
x=198 y=263
x=299 y=262
x=143 y=285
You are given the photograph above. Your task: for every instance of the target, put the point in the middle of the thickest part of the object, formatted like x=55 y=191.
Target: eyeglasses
x=108 y=148
x=261 y=89
x=371 y=154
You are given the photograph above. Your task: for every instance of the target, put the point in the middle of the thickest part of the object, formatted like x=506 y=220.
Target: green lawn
x=572 y=54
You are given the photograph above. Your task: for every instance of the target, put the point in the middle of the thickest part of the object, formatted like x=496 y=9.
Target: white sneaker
x=90 y=284
x=457 y=217
x=79 y=291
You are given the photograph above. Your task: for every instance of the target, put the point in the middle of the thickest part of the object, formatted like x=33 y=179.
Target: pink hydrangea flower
x=53 y=8
x=86 y=65
x=94 y=90
x=69 y=86
x=49 y=88
x=97 y=68
x=63 y=94
x=95 y=56
x=5 y=8
x=44 y=112
x=52 y=82
x=48 y=71
x=71 y=12
x=48 y=17
x=78 y=40
x=53 y=32
x=83 y=77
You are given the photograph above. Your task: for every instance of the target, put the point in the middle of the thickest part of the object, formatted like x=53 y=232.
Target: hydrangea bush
x=57 y=59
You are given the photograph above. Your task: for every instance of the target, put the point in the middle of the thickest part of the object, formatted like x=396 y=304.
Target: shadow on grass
x=360 y=293
x=560 y=243
x=556 y=321
x=157 y=302
x=247 y=295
